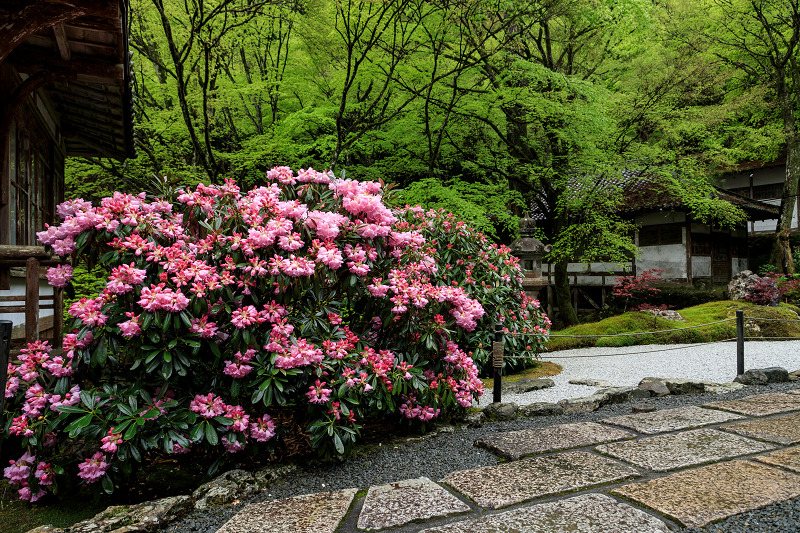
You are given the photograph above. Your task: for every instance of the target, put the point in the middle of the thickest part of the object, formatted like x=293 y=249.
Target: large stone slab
x=671 y=419
x=519 y=481
x=702 y=495
x=783 y=429
x=760 y=404
x=588 y=512
x=678 y=450
x=395 y=504
x=515 y=444
x=312 y=513
x=788 y=459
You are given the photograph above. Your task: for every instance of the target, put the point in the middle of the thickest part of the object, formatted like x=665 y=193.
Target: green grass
x=17 y=516
x=635 y=322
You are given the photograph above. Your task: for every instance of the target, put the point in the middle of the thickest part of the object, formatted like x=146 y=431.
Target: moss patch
x=636 y=322
x=542 y=370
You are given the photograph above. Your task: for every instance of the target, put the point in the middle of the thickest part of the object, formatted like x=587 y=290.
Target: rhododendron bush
x=234 y=320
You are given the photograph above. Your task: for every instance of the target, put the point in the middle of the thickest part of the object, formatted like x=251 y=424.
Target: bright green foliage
x=483 y=206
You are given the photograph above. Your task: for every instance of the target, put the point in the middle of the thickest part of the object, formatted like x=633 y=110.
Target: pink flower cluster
x=210 y=406
x=93 y=468
x=59 y=276
x=19 y=474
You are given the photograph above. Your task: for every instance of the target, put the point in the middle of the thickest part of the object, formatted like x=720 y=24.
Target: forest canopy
x=482 y=107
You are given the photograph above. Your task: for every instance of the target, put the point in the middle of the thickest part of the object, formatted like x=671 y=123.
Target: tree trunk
x=782 y=250
x=566 y=313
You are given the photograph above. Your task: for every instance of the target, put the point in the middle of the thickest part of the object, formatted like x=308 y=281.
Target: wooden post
x=32 y=300
x=497 y=362
x=58 y=316
x=5 y=345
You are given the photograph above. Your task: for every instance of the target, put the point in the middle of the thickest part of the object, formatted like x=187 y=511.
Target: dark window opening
x=660 y=235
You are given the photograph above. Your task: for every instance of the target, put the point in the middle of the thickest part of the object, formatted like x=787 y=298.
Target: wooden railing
x=31 y=257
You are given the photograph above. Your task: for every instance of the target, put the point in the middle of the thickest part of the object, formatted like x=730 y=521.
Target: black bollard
x=5 y=349
x=739 y=342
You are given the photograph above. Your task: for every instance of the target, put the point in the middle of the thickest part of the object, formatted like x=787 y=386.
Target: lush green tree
x=760 y=40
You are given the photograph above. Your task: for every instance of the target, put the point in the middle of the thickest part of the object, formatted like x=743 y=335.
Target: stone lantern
x=530 y=250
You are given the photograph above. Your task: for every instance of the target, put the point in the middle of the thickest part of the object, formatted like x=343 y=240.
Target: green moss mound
x=640 y=322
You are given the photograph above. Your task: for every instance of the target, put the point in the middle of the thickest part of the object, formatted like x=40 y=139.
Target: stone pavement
x=688 y=466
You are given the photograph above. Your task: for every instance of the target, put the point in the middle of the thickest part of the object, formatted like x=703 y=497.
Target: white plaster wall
x=769 y=225
x=670 y=257
x=701 y=267
x=18 y=289
x=738 y=264
x=597 y=271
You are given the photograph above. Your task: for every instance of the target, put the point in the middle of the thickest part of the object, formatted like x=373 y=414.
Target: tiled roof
x=642 y=194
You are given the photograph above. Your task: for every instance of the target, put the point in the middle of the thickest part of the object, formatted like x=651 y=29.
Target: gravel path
x=705 y=362
x=435 y=457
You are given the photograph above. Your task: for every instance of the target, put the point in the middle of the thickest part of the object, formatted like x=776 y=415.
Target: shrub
x=636 y=289
x=681 y=297
x=231 y=321
x=763 y=291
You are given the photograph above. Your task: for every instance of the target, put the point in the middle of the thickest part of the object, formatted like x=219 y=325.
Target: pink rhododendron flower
x=92 y=469
x=36 y=400
x=45 y=474
x=124 y=277
x=111 y=441
x=72 y=397
x=162 y=298
x=239 y=417
x=20 y=469
x=330 y=256
x=246 y=316
x=262 y=429
x=317 y=393
x=208 y=406
x=231 y=445
x=236 y=369
x=203 y=327
x=19 y=426
x=130 y=328
x=59 y=276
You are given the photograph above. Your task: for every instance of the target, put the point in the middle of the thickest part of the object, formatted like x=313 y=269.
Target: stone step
x=788 y=459
x=671 y=419
x=312 y=513
x=519 y=481
x=597 y=513
x=516 y=444
x=396 y=504
x=760 y=404
x=680 y=450
x=781 y=430
x=702 y=495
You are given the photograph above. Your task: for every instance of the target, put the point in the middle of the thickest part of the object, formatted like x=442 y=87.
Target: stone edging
x=647 y=388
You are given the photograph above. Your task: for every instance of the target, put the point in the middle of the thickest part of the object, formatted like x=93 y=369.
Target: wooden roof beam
x=29 y=62
x=94 y=147
x=62 y=42
x=16 y=27
x=67 y=101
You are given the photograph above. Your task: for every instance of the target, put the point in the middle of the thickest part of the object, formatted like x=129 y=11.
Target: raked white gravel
x=626 y=366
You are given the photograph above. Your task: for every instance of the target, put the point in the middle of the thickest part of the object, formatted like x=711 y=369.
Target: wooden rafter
x=62 y=42
x=17 y=26
x=30 y=61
